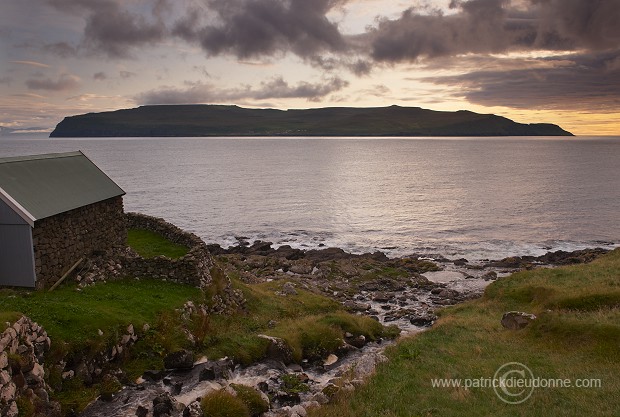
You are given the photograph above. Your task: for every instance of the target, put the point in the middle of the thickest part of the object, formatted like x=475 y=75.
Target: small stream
x=187 y=386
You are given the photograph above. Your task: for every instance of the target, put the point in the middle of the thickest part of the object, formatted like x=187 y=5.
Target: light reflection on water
x=472 y=197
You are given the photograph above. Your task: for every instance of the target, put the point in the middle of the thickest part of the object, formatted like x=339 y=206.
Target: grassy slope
x=75 y=317
x=300 y=319
x=577 y=335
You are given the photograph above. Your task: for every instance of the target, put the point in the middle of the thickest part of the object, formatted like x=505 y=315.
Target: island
x=225 y=120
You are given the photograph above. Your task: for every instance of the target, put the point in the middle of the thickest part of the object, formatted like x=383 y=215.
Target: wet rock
x=328 y=254
x=357 y=341
x=345 y=349
x=261 y=248
x=216 y=370
x=382 y=297
x=153 y=375
x=163 y=406
x=181 y=359
x=448 y=293
x=176 y=388
x=421 y=282
x=489 y=276
x=278 y=349
x=516 y=320
x=193 y=410
x=356 y=307
x=423 y=320
x=549 y=258
x=287 y=252
x=285 y=398
x=460 y=262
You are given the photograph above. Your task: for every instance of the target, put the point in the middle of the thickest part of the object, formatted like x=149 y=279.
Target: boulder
x=181 y=359
x=423 y=320
x=357 y=341
x=489 y=276
x=355 y=306
x=516 y=320
x=142 y=411
x=278 y=349
x=382 y=297
x=153 y=375
x=193 y=410
x=460 y=262
x=216 y=370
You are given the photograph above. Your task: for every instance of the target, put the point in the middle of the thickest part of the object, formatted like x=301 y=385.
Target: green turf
x=576 y=336
x=149 y=244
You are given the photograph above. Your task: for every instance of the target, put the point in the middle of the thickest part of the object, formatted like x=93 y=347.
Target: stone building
x=54 y=210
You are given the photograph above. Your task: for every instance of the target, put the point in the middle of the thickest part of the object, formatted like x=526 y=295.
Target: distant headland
x=220 y=120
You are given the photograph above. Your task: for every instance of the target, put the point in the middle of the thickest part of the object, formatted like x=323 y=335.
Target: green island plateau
x=220 y=120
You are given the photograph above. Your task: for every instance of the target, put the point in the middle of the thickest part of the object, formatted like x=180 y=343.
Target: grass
x=74 y=317
x=576 y=336
x=223 y=404
x=149 y=244
x=311 y=324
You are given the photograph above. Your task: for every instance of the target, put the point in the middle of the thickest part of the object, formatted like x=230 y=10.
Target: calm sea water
x=472 y=197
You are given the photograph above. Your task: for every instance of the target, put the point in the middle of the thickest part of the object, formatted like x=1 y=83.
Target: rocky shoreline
x=405 y=292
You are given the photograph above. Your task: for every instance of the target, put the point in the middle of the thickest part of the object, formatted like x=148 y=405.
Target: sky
x=553 y=61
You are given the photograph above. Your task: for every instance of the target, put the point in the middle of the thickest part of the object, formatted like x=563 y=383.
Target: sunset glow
x=547 y=61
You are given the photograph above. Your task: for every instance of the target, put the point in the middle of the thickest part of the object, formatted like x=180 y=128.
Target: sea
x=475 y=197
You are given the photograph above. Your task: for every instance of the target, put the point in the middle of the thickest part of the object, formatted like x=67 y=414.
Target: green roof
x=41 y=186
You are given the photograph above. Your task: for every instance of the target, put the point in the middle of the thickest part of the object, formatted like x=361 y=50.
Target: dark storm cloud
x=64 y=83
x=494 y=26
x=581 y=81
x=112 y=29
x=99 y=76
x=587 y=23
x=480 y=26
x=275 y=88
x=115 y=31
x=251 y=28
x=258 y=28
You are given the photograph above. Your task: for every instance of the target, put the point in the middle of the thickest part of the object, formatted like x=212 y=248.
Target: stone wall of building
x=192 y=268
x=60 y=241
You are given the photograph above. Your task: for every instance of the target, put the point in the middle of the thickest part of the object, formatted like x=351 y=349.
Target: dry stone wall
x=192 y=268
x=22 y=348
x=60 y=241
